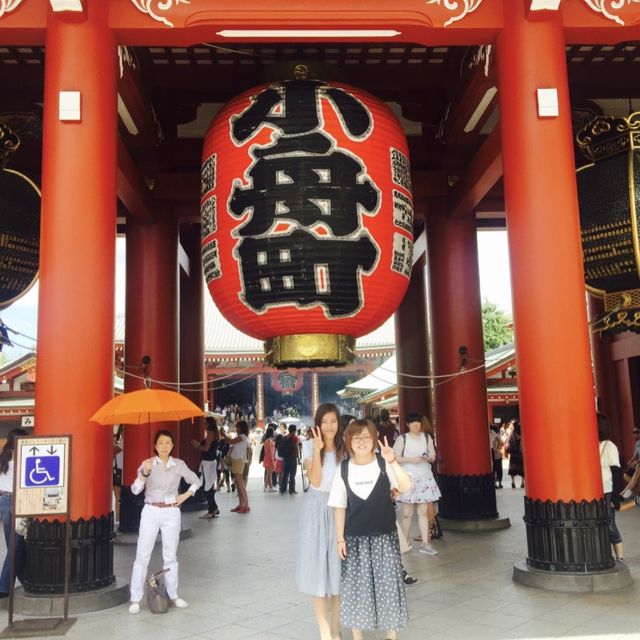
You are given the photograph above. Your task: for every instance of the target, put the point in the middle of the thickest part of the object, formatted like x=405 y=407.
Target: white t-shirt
x=362 y=479
x=495 y=452
x=6 y=479
x=416 y=446
x=239 y=450
x=609 y=457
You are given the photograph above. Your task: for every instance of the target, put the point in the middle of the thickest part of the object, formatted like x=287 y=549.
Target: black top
x=374 y=516
x=210 y=454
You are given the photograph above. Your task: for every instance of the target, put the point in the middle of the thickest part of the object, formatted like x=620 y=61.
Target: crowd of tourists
x=506 y=443
x=366 y=482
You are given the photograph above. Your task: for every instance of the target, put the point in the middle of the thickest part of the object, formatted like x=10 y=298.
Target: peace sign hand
x=318 y=444
x=386 y=451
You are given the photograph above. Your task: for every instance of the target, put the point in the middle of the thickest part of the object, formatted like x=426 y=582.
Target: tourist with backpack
x=289 y=450
x=416 y=452
x=372 y=594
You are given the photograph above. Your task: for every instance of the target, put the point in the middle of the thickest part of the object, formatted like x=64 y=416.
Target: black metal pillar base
x=130 y=510
x=91 y=555
x=467 y=497
x=568 y=537
x=619 y=577
x=39 y=604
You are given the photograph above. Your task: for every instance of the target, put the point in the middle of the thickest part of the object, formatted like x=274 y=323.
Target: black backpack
x=285 y=447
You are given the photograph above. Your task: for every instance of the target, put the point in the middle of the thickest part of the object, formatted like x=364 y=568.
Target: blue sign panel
x=42 y=471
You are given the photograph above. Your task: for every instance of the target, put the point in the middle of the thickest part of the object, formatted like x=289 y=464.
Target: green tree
x=495 y=326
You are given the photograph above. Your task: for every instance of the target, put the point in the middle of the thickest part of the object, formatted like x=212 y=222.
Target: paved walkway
x=237 y=574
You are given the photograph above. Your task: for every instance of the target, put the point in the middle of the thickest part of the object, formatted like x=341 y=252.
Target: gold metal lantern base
x=310 y=350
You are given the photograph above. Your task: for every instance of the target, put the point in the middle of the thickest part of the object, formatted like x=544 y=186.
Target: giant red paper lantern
x=306 y=217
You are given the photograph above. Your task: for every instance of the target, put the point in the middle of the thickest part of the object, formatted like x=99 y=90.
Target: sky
x=493 y=259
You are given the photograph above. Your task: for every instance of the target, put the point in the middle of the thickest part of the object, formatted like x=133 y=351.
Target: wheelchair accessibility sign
x=42 y=474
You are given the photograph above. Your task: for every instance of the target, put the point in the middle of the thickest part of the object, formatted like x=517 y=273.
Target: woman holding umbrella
x=159 y=478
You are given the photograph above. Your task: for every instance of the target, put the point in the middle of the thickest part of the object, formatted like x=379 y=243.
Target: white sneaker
x=134 y=608
x=626 y=494
x=180 y=603
x=430 y=551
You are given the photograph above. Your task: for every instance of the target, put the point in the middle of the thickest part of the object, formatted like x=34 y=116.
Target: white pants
x=167 y=521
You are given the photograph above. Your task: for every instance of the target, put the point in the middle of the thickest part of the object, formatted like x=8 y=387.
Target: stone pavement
x=237 y=573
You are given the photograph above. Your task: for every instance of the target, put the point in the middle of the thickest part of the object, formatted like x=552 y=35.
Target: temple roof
x=221 y=337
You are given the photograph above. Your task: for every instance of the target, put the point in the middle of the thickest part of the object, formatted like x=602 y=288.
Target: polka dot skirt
x=372 y=592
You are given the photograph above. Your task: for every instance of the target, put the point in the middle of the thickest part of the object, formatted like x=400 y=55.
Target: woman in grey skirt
x=318 y=570
x=372 y=588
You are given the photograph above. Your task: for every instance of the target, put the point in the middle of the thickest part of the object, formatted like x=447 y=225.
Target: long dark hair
x=7 y=450
x=212 y=426
x=338 y=441
x=268 y=434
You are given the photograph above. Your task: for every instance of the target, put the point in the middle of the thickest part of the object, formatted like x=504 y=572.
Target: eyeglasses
x=362 y=439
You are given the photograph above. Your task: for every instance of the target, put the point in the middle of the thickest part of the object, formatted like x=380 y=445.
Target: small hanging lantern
x=307 y=217
x=608 y=192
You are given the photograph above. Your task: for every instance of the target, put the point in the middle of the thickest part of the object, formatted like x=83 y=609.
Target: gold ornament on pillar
x=608 y=192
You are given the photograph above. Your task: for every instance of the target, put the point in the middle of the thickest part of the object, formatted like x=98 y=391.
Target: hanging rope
x=450 y=377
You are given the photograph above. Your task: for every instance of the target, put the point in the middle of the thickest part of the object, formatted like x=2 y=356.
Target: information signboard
x=42 y=476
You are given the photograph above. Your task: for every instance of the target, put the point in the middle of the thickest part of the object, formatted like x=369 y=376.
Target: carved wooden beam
x=474 y=100
x=132 y=190
x=481 y=175
x=140 y=125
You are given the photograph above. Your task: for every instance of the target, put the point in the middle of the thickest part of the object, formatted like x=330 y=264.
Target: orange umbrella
x=147 y=405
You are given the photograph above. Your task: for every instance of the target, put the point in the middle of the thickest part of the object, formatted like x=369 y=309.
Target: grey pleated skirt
x=318 y=568
x=372 y=594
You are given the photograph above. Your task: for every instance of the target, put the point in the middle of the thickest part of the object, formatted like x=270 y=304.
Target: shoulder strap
x=344 y=471
x=404 y=444
x=381 y=464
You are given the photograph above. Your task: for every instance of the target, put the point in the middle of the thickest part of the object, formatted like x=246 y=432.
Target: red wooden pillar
x=76 y=296
x=549 y=304
x=466 y=473
x=412 y=348
x=192 y=342
x=151 y=329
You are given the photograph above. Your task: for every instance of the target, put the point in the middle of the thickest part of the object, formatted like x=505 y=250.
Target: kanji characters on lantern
x=278 y=270
x=331 y=195
x=306 y=211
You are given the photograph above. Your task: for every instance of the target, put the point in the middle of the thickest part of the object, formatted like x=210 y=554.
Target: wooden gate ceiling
x=170 y=94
